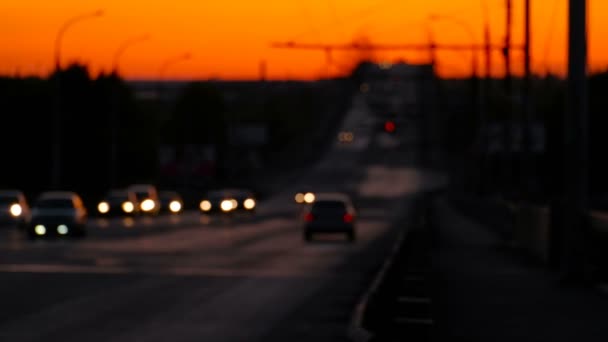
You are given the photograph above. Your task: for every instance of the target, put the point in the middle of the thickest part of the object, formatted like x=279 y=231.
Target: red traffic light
x=389 y=126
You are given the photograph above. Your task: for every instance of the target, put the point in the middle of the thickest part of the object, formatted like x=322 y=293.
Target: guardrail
x=546 y=233
x=397 y=304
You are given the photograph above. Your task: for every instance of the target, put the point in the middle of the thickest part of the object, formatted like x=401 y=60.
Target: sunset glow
x=229 y=39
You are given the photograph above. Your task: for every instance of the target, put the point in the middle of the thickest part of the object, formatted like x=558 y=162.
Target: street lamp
x=56 y=162
x=170 y=61
x=163 y=68
x=69 y=23
x=124 y=46
x=167 y=63
x=114 y=118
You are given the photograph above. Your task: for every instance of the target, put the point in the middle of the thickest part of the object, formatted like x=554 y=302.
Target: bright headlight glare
x=40 y=229
x=147 y=205
x=128 y=207
x=249 y=203
x=205 y=205
x=62 y=229
x=175 y=206
x=16 y=209
x=309 y=197
x=103 y=207
x=226 y=205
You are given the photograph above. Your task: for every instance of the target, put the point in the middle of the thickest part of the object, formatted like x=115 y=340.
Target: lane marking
x=163 y=271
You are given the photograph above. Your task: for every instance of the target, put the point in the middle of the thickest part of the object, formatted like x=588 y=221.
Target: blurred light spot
x=16 y=210
x=299 y=197
x=128 y=207
x=103 y=207
x=346 y=137
x=175 y=206
x=148 y=205
x=128 y=222
x=235 y=203
x=226 y=205
x=40 y=229
x=309 y=197
x=103 y=223
x=389 y=126
x=62 y=229
x=204 y=219
x=205 y=205
x=249 y=204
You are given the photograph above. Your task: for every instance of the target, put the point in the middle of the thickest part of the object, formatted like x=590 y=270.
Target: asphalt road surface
x=198 y=278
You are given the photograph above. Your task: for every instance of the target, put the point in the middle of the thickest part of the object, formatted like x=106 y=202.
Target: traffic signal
x=389 y=126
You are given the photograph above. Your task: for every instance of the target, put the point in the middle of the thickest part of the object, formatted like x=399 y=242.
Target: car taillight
x=348 y=218
x=308 y=217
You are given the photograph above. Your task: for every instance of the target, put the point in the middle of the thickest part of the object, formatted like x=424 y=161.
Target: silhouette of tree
x=199 y=116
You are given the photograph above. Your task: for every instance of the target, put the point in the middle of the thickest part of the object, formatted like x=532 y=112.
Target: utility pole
x=576 y=140
x=485 y=89
x=508 y=130
x=527 y=161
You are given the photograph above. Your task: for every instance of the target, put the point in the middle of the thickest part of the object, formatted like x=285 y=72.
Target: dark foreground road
x=196 y=278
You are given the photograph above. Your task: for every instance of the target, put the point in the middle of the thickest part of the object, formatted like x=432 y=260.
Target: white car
x=147 y=197
x=58 y=213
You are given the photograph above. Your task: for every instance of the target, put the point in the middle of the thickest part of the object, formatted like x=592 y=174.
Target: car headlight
x=128 y=207
x=103 y=207
x=175 y=206
x=234 y=203
x=249 y=203
x=148 y=205
x=299 y=197
x=226 y=205
x=40 y=229
x=16 y=210
x=205 y=205
x=62 y=229
x=309 y=197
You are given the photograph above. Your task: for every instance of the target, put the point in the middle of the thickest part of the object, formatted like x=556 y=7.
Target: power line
x=369 y=46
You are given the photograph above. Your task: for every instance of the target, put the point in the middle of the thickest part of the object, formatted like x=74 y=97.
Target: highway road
x=200 y=278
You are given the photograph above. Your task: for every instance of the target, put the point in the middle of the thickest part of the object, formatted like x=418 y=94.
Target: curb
x=356 y=332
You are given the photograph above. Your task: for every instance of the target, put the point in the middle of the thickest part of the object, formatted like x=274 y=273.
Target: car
x=14 y=208
x=218 y=201
x=245 y=200
x=171 y=202
x=119 y=202
x=58 y=213
x=330 y=213
x=147 y=198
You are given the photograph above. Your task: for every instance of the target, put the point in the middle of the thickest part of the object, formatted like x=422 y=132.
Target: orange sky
x=228 y=39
